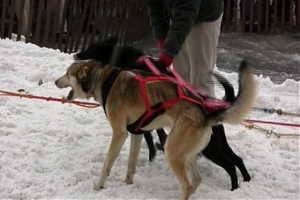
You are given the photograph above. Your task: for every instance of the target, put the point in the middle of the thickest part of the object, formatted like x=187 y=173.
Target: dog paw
x=247 y=178
x=159 y=146
x=234 y=187
x=128 y=180
x=98 y=187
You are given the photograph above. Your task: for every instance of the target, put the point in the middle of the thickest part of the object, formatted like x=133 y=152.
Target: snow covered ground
x=54 y=150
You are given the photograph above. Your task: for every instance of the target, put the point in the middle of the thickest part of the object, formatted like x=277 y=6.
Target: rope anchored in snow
x=94 y=105
x=61 y=100
x=252 y=121
x=270 y=132
x=278 y=111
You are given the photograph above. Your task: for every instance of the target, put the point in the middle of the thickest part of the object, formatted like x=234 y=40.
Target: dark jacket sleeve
x=184 y=15
x=158 y=19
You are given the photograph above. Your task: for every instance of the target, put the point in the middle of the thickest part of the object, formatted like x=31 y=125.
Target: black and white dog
x=125 y=57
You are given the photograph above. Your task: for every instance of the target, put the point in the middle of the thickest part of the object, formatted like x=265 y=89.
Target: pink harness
x=210 y=104
x=200 y=98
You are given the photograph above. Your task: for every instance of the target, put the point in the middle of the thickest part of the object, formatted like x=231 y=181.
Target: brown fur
x=190 y=125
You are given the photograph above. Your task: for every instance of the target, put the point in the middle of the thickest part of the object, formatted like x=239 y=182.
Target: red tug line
x=95 y=105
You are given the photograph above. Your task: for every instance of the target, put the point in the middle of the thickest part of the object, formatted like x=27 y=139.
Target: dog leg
x=220 y=159
x=218 y=152
x=178 y=166
x=181 y=149
x=175 y=152
x=196 y=178
x=232 y=156
x=135 y=146
x=116 y=144
x=162 y=136
x=152 y=150
x=240 y=164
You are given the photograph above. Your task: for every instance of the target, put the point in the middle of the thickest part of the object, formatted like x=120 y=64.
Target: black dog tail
x=229 y=90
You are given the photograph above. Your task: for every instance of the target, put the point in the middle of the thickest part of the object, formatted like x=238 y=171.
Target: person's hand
x=161 y=44
x=165 y=60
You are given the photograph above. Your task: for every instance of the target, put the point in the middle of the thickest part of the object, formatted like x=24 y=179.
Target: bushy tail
x=243 y=103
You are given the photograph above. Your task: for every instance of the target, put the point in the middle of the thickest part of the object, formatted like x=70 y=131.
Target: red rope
x=94 y=105
x=270 y=132
x=273 y=123
x=62 y=100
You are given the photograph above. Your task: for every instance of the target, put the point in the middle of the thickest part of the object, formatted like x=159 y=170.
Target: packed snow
x=53 y=150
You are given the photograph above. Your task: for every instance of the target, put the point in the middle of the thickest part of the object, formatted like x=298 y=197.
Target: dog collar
x=94 y=79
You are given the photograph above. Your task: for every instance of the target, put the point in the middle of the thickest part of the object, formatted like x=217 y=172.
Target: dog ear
x=81 y=74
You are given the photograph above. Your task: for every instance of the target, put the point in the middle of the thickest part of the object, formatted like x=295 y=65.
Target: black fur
x=218 y=150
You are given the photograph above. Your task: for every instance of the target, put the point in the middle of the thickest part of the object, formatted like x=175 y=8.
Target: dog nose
x=56 y=82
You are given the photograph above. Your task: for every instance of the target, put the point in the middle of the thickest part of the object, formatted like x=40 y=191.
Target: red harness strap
x=209 y=103
x=200 y=97
x=150 y=111
x=179 y=80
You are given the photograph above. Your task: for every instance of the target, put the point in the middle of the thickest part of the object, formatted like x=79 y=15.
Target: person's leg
x=58 y=6
x=60 y=15
x=53 y=5
x=25 y=15
x=296 y=2
x=197 y=58
x=181 y=63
